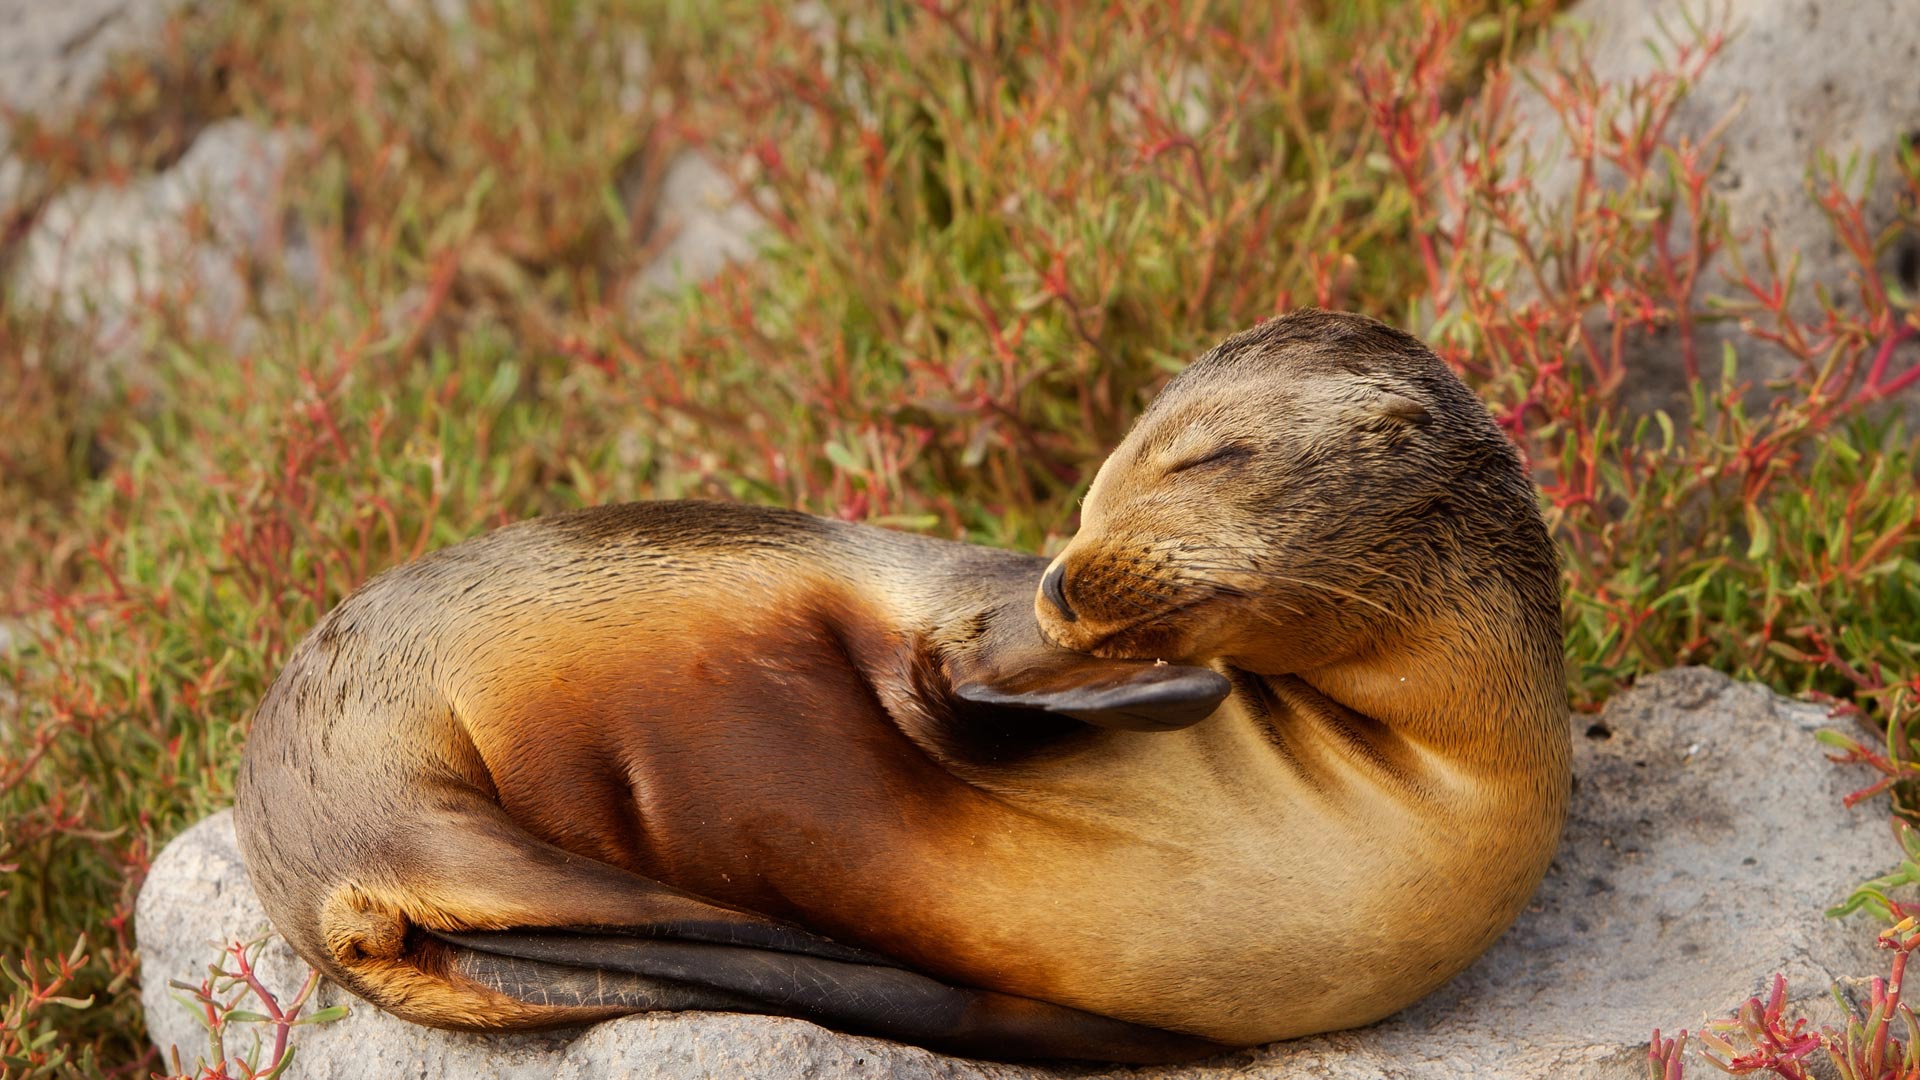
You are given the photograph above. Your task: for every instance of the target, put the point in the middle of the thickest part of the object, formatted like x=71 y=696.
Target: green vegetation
x=991 y=230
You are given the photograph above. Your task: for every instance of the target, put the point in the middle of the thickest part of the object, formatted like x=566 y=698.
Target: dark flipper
x=1129 y=694
x=588 y=941
x=1011 y=665
x=567 y=970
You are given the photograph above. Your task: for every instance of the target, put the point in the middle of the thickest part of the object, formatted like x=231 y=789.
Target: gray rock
x=183 y=241
x=52 y=55
x=707 y=225
x=1798 y=76
x=1707 y=836
x=100 y=251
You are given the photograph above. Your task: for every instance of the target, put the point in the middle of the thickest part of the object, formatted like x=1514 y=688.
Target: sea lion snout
x=1121 y=601
x=1053 y=589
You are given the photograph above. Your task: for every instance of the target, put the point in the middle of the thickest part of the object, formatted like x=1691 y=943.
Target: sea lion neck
x=1492 y=707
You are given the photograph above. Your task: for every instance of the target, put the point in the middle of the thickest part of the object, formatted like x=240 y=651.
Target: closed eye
x=1230 y=454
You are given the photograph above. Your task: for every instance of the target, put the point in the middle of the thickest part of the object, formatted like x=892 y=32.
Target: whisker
x=1184 y=579
x=1322 y=586
x=1183 y=585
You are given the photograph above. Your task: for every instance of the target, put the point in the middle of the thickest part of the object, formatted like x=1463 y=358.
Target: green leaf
x=323 y=1016
x=912 y=522
x=842 y=458
x=1666 y=430
x=1861 y=898
x=1759 y=532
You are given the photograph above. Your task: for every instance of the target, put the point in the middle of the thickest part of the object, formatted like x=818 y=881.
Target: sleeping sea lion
x=1276 y=745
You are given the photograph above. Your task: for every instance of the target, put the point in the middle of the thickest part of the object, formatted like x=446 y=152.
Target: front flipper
x=1011 y=665
x=597 y=970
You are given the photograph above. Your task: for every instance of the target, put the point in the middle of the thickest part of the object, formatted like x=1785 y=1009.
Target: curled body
x=1276 y=745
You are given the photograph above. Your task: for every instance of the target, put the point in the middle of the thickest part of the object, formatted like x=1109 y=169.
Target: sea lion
x=1276 y=745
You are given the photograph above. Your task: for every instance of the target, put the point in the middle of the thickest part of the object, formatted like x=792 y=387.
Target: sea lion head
x=1306 y=490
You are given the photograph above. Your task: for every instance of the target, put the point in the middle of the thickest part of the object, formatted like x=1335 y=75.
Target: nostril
x=1053 y=586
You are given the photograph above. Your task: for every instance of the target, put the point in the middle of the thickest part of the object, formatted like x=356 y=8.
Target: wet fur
x=744 y=733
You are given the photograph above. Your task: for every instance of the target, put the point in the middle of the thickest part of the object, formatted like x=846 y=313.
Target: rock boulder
x=52 y=55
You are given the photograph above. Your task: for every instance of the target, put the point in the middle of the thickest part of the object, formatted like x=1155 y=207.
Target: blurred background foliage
x=990 y=231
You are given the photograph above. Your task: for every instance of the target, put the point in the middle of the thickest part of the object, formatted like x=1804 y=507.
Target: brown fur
x=684 y=715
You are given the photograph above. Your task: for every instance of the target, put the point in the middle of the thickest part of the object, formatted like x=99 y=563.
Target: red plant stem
x=283 y=1020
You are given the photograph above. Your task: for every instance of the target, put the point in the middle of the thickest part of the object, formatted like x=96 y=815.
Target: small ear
x=1400 y=407
x=1132 y=695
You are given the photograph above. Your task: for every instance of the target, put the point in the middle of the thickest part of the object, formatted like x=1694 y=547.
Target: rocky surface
x=53 y=54
x=707 y=224
x=1797 y=77
x=1707 y=836
x=188 y=243
x=185 y=241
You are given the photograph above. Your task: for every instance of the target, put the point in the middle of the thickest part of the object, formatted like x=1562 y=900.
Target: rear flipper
x=595 y=971
x=491 y=929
